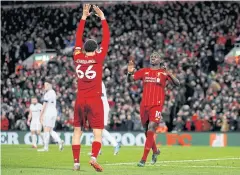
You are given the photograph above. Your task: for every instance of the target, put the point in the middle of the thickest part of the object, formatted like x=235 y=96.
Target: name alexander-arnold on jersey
x=85 y=61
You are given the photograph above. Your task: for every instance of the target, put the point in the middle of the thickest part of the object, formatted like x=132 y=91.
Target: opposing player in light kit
x=34 y=121
x=106 y=134
x=154 y=83
x=89 y=59
x=48 y=117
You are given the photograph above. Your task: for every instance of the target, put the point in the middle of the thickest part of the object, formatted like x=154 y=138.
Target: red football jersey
x=154 y=82
x=89 y=68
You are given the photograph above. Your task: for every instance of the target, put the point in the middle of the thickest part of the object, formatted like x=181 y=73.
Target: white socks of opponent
x=34 y=140
x=55 y=137
x=109 y=138
x=46 y=140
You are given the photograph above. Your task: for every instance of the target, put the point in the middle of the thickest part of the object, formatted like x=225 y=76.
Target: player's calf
x=96 y=146
x=100 y=153
x=41 y=135
x=61 y=145
x=57 y=138
x=76 y=147
x=34 y=139
x=116 y=149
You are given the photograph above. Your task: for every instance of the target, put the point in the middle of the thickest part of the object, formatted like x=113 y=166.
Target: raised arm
x=131 y=70
x=174 y=79
x=106 y=32
x=80 y=28
x=171 y=77
x=134 y=75
x=105 y=38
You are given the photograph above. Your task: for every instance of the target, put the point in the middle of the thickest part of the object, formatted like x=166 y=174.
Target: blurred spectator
x=217 y=124
x=116 y=123
x=206 y=124
x=137 y=124
x=225 y=125
x=198 y=125
x=129 y=123
x=4 y=122
x=179 y=124
x=188 y=124
x=40 y=44
x=233 y=123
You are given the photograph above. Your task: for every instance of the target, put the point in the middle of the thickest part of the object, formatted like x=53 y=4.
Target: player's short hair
x=90 y=45
x=47 y=80
x=157 y=54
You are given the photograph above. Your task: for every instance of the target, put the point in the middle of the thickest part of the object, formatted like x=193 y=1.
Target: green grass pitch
x=175 y=160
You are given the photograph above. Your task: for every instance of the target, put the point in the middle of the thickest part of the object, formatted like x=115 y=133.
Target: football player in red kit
x=88 y=60
x=154 y=83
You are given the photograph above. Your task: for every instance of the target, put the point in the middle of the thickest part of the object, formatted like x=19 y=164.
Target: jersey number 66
x=89 y=74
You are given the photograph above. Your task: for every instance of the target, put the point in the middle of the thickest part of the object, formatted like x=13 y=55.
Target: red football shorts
x=151 y=113
x=89 y=110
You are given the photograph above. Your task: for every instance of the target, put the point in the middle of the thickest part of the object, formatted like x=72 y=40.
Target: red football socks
x=154 y=147
x=76 y=153
x=96 y=146
x=148 y=144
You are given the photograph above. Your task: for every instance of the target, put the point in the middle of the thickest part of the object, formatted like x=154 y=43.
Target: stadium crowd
x=193 y=39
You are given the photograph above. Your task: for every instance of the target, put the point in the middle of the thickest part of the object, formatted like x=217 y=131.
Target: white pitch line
x=203 y=166
x=179 y=161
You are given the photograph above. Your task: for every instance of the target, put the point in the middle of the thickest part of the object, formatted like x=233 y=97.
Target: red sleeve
x=79 y=34
x=169 y=78
x=138 y=74
x=105 y=39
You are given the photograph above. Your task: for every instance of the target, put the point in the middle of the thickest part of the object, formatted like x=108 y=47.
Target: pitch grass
x=23 y=160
